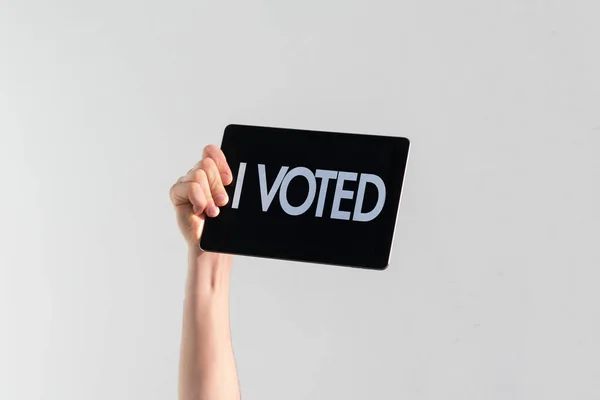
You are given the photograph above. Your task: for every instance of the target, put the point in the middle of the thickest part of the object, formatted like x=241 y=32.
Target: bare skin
x=207 y=369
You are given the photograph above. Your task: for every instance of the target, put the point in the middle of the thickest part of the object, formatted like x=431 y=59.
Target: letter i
x=238 y=185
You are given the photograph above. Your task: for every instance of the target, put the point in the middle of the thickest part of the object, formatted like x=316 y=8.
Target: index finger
x=214 y=152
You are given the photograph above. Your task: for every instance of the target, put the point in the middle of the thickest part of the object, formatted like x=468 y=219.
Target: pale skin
x=207 y=369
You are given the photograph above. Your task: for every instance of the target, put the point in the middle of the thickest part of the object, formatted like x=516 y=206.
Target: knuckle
x=176 y=192
x=202 y=176
x=175 y=186
x=197 y=165
x=194 y=186
x=207 y=164
x=197 y=175
x=211 y=150
x=195 y=192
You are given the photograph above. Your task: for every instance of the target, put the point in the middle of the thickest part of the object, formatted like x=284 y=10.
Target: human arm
x=207 y=369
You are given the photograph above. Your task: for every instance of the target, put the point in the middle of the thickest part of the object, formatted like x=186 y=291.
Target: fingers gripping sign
x=201 y=192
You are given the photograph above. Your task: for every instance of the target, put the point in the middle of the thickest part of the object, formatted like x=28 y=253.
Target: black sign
x=310 y=196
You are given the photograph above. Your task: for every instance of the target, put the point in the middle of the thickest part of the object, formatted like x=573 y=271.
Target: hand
x=200 y=193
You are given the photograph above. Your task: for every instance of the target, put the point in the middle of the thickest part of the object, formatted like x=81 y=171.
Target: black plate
x=285 y=224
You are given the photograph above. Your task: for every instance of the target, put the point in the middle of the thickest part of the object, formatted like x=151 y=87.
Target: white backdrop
x=492 y=291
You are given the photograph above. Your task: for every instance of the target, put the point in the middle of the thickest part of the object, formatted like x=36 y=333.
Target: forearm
x=207 y=367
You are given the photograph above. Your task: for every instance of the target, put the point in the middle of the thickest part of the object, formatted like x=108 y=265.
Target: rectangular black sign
x=321 y=197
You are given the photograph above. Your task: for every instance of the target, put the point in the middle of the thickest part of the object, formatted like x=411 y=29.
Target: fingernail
x=226 y=177
x=221 y=199
x=212 y=211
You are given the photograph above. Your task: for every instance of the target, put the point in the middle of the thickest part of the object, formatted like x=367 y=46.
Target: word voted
x=285 y=176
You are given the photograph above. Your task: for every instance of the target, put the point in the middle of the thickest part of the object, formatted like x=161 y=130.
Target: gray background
x=492 y=292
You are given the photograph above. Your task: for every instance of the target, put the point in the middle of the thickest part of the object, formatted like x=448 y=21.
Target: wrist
x=208 y=273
